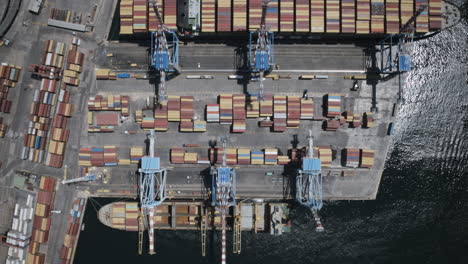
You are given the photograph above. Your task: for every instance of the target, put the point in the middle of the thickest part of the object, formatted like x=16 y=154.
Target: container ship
x=298 y=17
x=181 y=215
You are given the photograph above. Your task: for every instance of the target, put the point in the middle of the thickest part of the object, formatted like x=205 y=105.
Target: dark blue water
x=421 y=211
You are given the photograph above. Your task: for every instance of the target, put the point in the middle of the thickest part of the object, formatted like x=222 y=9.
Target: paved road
x=205 y=57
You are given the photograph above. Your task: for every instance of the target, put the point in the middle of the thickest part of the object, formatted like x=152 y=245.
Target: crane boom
x=223 y=194
x=262 y=58
x=309 y=183
x=152 y=187
x=87 y=178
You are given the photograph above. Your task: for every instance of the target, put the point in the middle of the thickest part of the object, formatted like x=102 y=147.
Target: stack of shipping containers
x=435 y=19
x=255 y=14
x=147 y=123
x=392 y=16
x=3 y=128
x=317 y=16
x=266 y=105
x=287 y=15
x=422 y=21
x=212 y=113
x=279 y=113
x=140 y=16
x=216 y=155
x=177 y=155
x=363 y=16
x=186 y=125
x=42 y=220
x=377 y=16
x=126 y=17
x=239 y=20
x=253 y=107
x=352 y=157
x=170 y=14
x=294 y=111
x=73 y=227
x=225 y=104
x=131 y=216
x=325 y=156
x=208 y=16
x=243 y=156
x=271 y=156
x=406 y=10
x=199 y=126
x=231 y=156
x=173 y=108
x=333 y=105
x=348 y=16
x=272 y=16
x=333 y=16
x=256 y=158
x=302 y=16
x=238 y=125
x=136 y=153
x=160 y=116
x=224 y=12
x=186 y=107
x=9 y=75
x=307 y=108
x=190 y=158
x=367 y=158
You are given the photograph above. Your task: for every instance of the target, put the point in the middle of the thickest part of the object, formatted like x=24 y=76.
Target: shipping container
x=287 y=15
x=208 y=15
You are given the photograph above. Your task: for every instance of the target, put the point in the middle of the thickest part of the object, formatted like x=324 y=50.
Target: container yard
x=215 y=115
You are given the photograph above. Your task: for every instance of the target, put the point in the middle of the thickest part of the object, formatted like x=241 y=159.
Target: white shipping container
x=20 y=225
x=11 y=251
x=24 y=153
x=61 y=95
x=14 y=225
x=279 y=115
x=41 y=156
x=31 y=213
x=235 y=77
x=15 y=212
x=21 y=215
x=48 y=60
x=46 y=96
x=36 y=96
x=29 y=201
x=21 y=243
x=31 y=155
x=25 y=228
x=21 y=253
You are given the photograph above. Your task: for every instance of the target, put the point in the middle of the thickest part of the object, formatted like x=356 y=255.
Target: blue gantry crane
x=164 y=52
x=394 y=60
x=309 y=184
x=261 y=57
x=398 y=60
x=223 y=193
x=152 y=187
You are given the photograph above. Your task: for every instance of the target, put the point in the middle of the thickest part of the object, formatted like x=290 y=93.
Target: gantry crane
x=152 y=187
x=399 y=61
x=164 y=54
x=261 y=58
x=223 y=194
x=309 y=184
